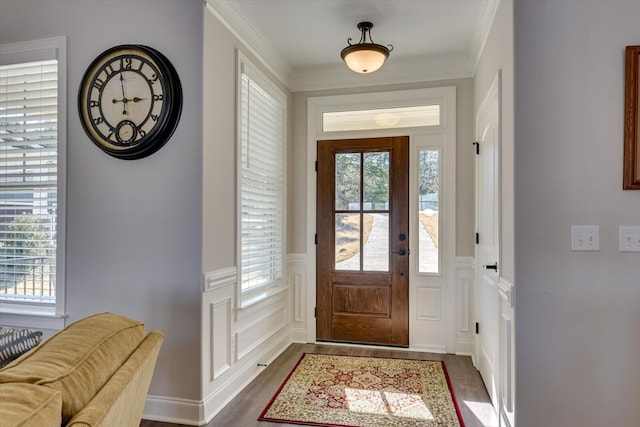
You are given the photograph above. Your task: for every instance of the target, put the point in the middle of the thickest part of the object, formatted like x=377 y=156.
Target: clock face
x=130 y=101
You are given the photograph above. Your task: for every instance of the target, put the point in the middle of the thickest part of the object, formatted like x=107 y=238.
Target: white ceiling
x=432 y=39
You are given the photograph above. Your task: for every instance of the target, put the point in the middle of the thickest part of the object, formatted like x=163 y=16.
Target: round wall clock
x=130 y=100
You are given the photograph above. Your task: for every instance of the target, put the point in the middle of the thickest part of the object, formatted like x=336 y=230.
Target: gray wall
x=133 y=227
x=578 y=313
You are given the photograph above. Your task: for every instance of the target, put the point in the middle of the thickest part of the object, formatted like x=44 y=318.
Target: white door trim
x=444 y=96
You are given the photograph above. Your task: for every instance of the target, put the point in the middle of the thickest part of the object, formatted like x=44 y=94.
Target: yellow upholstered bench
x=98 y=368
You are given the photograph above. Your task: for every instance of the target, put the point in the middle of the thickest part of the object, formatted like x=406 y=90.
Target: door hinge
x=477 y=238
x=316 y=166
x=315 y=312
x=316 y=239
x=477 y=328
x=477 y=144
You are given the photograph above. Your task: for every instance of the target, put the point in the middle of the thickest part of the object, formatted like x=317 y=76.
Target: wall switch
x=630 y=239
x=585 y=238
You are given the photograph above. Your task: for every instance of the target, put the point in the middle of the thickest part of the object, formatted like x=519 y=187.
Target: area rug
x=353 y=391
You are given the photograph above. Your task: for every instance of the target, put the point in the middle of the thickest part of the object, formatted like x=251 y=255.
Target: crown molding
x=482 y=30
x=395 y=71
x=252 y=40
x=398 y=71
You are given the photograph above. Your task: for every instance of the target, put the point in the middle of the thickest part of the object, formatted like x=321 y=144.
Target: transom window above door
x=381 y=118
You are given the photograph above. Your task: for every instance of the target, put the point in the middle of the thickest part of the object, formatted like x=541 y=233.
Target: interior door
x=362 y=261
x=488 y=227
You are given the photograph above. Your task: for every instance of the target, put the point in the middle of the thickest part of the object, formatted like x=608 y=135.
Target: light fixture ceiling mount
x=365 y=56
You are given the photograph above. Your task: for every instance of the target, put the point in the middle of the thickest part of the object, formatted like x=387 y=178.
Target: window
x=31 y=190
x=261 y=178
x=382 y=118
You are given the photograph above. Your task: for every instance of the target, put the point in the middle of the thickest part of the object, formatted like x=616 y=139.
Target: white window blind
x=28 y=180
x=261 y=181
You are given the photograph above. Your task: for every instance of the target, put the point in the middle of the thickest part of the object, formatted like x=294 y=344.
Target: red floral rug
x=352 y=391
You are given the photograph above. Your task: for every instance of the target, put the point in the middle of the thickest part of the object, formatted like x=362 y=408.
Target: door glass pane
x=376 y=181
x=376 y=242
x=428 y=201
x=347 y=245
x=348 y=181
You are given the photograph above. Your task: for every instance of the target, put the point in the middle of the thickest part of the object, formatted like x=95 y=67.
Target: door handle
x=493 y=267
x=400 y=252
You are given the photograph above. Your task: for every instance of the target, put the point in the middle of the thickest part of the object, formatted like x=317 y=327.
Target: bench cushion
x=78 y=360
x=29 y=405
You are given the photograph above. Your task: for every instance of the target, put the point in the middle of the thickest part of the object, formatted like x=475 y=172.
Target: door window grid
x=361 y=216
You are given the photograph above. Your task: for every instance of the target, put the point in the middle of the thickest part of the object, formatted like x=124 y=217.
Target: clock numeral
x=109 y=70
x=93 y=104
x=125 y=63
x=141 y=132
x=153 y=79
x=157 y=97
x=98 y=84
x=154 y=117
x=97 y=120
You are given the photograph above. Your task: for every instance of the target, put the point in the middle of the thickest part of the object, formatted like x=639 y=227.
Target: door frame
x=316 y=106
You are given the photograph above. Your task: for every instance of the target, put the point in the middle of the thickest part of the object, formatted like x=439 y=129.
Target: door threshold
x=365 y=345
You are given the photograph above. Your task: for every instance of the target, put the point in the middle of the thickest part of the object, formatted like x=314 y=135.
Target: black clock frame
x=168 y=120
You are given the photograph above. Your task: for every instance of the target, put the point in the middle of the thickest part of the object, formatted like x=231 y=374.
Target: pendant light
x=365 y=57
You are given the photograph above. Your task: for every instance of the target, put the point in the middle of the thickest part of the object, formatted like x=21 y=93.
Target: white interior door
x=488 y=228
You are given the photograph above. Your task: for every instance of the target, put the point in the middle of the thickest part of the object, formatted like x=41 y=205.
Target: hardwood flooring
x=244 y=409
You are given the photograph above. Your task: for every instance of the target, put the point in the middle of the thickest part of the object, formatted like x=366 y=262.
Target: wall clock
x=130 y=101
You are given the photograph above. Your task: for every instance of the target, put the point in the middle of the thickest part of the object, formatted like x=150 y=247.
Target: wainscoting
x=238 y=342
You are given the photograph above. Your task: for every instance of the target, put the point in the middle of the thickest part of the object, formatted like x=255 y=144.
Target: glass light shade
x=364 y=57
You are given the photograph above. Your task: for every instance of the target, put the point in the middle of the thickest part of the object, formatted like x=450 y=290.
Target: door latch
x=400 y=252
x=493 y=267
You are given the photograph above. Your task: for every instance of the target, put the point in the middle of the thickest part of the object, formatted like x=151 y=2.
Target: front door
x=362 y=261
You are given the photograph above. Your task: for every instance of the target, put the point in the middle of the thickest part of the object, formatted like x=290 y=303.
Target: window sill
x=26 y=316
x=254 y=298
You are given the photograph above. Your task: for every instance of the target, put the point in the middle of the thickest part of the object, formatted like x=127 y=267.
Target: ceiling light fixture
x=365 y=57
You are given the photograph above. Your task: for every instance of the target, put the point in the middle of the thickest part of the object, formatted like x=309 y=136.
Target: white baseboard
x=464 y=347
x=174 y=410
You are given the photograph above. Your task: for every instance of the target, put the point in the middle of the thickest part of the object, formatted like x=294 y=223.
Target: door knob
x=493 y=267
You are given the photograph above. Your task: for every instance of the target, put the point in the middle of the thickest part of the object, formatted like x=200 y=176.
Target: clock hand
x=124 y=102
x=136 y=99
x=124 y=97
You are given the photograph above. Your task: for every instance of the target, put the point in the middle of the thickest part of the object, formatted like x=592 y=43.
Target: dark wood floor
x=245 y=408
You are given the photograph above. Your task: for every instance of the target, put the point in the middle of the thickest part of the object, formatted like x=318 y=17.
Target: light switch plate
x=585 y=238
x=629 y=239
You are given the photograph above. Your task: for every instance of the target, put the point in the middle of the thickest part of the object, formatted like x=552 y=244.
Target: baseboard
x=464 y=347
x=439 y=349
x=174 y=410
x=299 y=336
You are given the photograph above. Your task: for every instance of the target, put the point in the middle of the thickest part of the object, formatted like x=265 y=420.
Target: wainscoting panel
x=428 y=303
x=221 y=333
x=261 y=327
x=297 y=281
x=465 y=273
x=236 y=342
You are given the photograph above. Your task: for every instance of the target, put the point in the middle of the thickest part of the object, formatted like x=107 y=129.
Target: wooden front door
x=362 y=287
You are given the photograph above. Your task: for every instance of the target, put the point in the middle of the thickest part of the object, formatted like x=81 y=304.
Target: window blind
x=261 y=168
x=28 y=180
